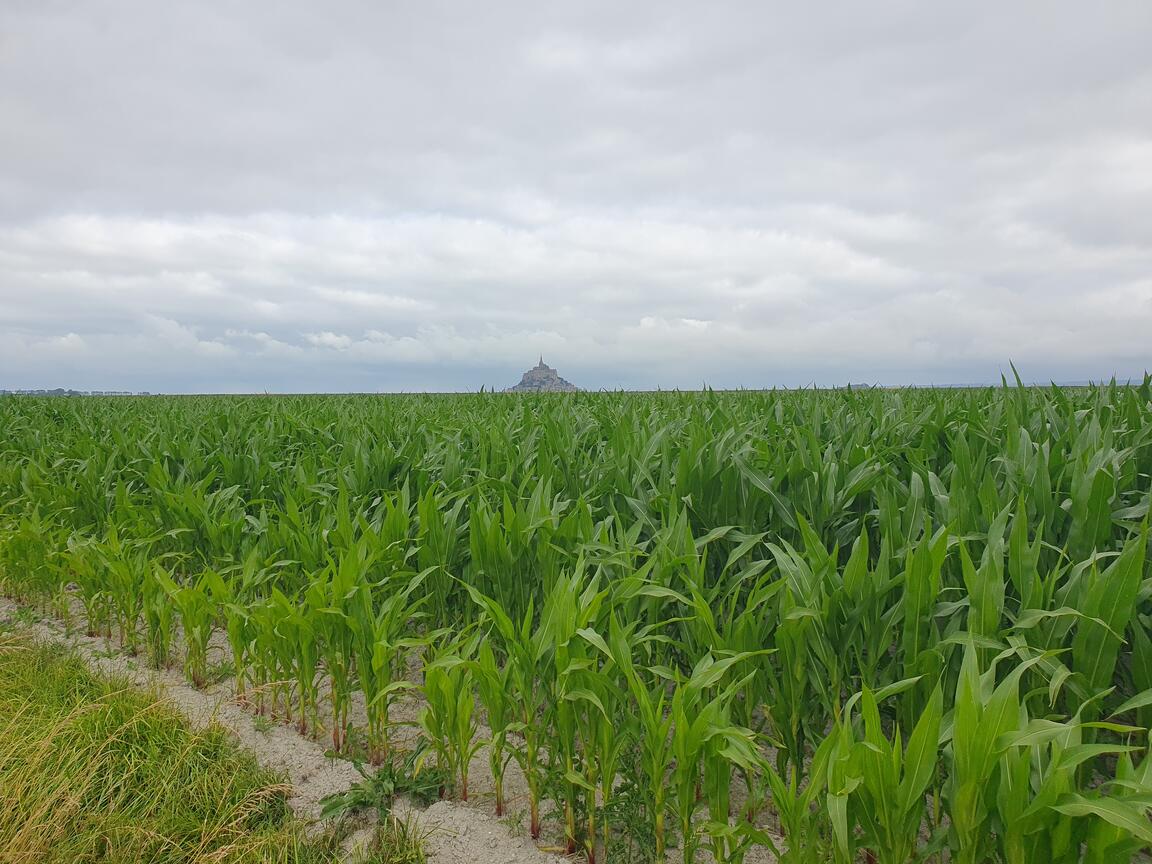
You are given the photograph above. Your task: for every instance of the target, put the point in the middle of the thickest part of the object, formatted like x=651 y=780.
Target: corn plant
x=494 y=688
x=194 y=604
x=574 y=604
x=986 y=711
x=126 y=566
x=158 y=616
x=706 y=744
x=382 y=647
x=526 y=654
x=1119 y=826
x=884 y=781
x=287 y=630
x=28 y=549
x=85 y=570
x=448 y=719
x=325 y=602
x=795 y=795
x=654 y=724
x=529 y=647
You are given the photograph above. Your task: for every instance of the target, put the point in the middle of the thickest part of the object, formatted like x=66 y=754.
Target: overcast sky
x=250 y=196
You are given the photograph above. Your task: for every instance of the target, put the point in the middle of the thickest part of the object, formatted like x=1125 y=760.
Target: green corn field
x=849 y=626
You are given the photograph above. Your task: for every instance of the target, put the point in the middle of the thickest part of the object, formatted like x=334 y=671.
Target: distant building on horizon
x=542 y=378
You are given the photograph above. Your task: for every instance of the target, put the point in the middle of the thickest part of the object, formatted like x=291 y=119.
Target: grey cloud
x=389 y=196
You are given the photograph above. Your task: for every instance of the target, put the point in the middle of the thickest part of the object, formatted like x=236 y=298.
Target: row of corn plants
x=876 y=626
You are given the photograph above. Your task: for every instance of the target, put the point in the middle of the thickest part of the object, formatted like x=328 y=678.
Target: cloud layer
x=237 y=197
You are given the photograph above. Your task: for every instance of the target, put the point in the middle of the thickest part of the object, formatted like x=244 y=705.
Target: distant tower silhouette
x=542 y=378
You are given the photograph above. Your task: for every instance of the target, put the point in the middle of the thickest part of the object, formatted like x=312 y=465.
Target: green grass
x=91 y=770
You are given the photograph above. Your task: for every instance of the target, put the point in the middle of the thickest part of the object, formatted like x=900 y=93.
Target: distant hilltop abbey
x=542 y=379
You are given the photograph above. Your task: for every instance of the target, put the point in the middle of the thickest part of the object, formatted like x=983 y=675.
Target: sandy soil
x=455 y=833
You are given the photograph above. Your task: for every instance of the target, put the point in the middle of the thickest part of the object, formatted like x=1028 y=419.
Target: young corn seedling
x=921 y=586
x=158 y=618
x=233 y=611
x=193 y=602
x=86 y=569
x=705 y=746
x=573 y=605
x=383 y=648
x=441 y=529
x=884 y=780
x=494 y=688
x=293 y=650
x=1119 y=813
x=337 y=646
x=126 y=566
x=985 y=713
x=448 y=719
x=1108 y=601
x=654 y=724
x=272 y=647
x=333 y=602
x=727 y=747
x=604 y=733
x=529 y=648
x=234 y=596
x=1040 y=768
x=28 y=559
x=795 y=797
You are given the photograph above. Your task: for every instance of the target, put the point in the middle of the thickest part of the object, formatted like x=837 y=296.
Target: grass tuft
x=91 y=770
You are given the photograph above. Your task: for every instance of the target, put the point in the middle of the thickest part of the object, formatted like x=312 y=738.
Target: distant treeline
x=60 y=391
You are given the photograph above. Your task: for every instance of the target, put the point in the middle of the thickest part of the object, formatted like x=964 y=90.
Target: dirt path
x=456 y=834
